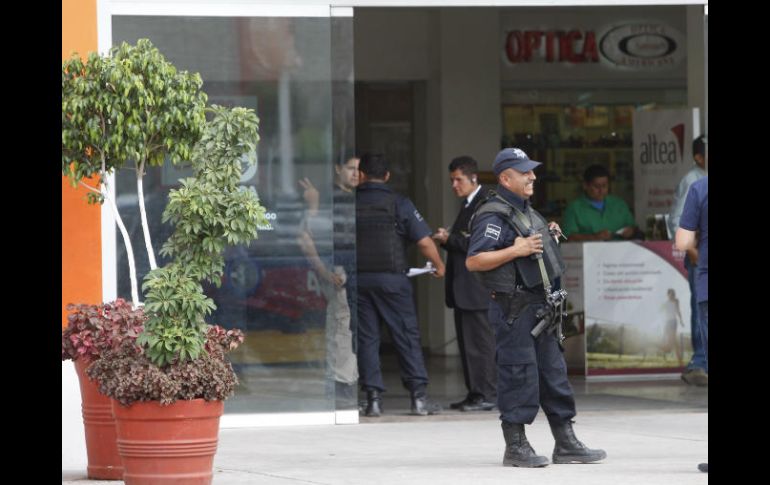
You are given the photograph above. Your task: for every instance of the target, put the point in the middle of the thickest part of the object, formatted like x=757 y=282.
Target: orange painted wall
x=81 y=253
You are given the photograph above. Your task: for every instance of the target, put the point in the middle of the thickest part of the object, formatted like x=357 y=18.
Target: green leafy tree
x=132 y=105
x=129 y=105
x=209 y=210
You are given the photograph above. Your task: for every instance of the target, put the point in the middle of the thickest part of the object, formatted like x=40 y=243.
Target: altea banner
x=662 y=156
x=637 y=308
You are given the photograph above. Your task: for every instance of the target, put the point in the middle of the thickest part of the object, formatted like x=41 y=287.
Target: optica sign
x=633 y=46
x=572 y=46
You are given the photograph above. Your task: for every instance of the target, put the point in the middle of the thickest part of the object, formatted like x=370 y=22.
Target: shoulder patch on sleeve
x=492 y=232
x=417 y=215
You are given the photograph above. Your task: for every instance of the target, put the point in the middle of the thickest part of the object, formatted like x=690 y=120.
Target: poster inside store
x=637 y=308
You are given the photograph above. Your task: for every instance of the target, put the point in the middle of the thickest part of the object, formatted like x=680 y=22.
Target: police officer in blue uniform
x=515 y=253
x=385 y=223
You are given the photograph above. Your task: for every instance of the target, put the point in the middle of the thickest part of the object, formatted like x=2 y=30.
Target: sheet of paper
x=428 y=268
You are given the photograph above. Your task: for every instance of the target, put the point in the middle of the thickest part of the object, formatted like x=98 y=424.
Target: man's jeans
x=699 y=359
x=703 y=308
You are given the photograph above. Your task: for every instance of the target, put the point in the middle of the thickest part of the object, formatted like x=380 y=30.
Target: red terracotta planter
x=172 y=444
x=101 y=441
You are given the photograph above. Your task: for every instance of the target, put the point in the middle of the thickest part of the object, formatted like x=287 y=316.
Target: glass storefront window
x=282 y=68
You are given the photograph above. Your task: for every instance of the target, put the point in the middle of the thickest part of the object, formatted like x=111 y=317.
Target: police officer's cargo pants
x=530 y=372
x=388 y=297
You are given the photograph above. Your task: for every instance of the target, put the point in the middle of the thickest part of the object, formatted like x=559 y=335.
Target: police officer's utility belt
x=514 y=303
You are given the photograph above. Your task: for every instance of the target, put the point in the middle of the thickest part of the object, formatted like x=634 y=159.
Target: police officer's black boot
x=518 y=451
x=569 y=449
x=373 y=403
x=422 y=406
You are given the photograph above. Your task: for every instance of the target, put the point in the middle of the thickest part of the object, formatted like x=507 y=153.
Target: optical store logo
x=643 y=46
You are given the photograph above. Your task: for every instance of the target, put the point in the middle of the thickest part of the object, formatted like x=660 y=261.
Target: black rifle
x=551 y=316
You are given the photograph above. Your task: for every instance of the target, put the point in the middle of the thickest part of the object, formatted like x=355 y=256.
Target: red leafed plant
x=106 y=334
x=128 y=376
x=219 y=340
x=94 y=329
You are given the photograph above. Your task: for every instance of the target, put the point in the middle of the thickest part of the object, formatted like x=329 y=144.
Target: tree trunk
x=129 y=248
x=143 y=212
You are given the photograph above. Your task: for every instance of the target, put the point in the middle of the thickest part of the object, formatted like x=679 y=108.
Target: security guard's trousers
x=388 y=297
x=531 y=372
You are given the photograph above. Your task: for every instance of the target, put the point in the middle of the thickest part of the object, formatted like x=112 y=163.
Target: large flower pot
x=172 y=444
x=101 y=441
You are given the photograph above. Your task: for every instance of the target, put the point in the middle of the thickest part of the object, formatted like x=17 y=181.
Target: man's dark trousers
x=388 y=297
x=470 y=301
x=476 y=342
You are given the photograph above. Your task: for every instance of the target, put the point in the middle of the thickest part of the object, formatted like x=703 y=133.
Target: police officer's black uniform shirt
x=491 y=231
x=409 y=222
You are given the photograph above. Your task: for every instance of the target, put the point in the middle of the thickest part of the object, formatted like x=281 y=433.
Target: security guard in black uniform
x=465 y=294
x=516 y=254
x=385 y=223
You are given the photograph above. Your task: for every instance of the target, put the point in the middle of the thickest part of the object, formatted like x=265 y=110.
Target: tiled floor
x=302 y=388
x=446 y=386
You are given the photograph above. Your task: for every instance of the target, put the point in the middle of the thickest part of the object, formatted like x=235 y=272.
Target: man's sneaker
x=695 y=376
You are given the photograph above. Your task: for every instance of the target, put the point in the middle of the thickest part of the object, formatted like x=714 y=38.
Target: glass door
x=295 y=68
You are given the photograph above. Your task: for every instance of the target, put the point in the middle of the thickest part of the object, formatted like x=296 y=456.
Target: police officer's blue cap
x=514 y=158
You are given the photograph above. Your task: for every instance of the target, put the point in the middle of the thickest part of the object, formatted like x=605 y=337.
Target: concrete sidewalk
x=643 y=447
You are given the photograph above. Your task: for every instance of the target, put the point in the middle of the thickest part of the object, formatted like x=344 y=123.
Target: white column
x=696 y=61
x=470 y=123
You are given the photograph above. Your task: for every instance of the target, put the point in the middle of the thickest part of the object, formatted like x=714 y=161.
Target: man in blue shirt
x=517 y=266
x=696 y=372
x=694 y=226
x=385 y=223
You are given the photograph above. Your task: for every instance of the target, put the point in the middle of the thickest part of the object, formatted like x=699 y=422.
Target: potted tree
x=177 y=375
x=91 y=331
x=131 y=105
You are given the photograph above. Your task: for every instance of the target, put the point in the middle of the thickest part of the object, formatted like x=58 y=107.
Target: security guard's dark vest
x=378 y=248
x=504 y=278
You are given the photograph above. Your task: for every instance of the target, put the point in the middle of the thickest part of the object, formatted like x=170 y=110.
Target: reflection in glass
x=336 y=276
x=281 y=68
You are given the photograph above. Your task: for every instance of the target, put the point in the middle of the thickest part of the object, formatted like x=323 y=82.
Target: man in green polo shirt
x=597 y=216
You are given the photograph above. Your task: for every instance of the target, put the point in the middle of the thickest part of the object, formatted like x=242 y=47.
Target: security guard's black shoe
x=478 y=404
x=459 y=404
x=373 y=404
x=518 y=451
x=569 y=449
x=421 y=406
x=704 y=467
